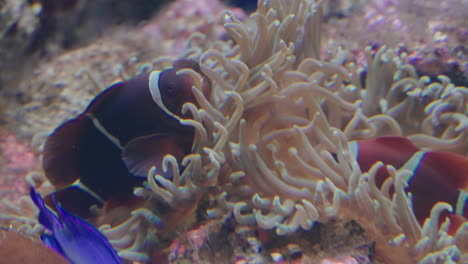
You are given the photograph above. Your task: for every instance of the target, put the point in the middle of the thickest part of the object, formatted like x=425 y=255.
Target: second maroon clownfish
x=108 y=149
x=438 y=176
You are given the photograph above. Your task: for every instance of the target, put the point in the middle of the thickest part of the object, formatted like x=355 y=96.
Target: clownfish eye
x=168 y=84
x=169 y=90
x=172 y=88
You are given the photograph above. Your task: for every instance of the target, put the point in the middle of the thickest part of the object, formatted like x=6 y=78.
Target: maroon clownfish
x=108 y=149
x=437 y=176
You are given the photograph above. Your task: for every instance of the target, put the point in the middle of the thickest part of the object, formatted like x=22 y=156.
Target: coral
x=16 y=160
x=13 y=245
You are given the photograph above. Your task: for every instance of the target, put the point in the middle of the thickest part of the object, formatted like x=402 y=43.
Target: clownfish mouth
x=126 y=130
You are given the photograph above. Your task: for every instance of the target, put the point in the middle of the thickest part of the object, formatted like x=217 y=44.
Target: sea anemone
x=278 y=114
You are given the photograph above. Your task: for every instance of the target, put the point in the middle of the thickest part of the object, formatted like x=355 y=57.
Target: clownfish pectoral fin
x=142 y=153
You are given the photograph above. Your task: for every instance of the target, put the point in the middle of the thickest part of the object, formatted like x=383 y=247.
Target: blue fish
x=75 y=239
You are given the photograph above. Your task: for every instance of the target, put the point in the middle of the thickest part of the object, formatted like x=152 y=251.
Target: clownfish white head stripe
x=170 y=89
x=156 y=93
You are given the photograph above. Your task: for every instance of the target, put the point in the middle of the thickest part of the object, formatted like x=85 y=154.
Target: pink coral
x=16 y=160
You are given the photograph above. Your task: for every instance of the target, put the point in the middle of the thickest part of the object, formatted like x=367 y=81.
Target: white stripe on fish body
x=413 y=163
x=354 y=149
x=461 y=203
x=104 y=131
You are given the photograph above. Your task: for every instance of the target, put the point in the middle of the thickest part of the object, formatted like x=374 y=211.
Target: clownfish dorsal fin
x=189 y=64
x=401 y=144
x=389 y=143
x=142 y=153
x=391 y=150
